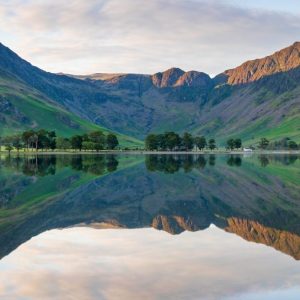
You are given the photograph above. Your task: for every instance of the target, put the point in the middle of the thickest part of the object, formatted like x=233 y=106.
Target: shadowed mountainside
x=26 y=100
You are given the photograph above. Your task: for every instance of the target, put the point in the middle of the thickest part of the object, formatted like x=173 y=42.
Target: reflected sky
x=86 y=263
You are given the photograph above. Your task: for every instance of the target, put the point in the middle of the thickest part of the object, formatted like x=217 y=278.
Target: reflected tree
x=234 y=161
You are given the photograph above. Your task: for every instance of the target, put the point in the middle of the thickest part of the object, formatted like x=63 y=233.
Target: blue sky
x=146 y=36
x=291 y=6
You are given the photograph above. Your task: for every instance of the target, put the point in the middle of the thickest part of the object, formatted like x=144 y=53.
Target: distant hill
x=258 y=99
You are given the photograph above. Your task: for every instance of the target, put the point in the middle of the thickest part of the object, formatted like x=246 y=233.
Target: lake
x=150 y=227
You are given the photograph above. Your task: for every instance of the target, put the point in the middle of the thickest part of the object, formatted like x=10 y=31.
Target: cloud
x=82 y=263
x=142 y=36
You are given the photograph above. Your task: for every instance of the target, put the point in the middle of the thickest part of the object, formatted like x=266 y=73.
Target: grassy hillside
x=253 y=111
x=24 y=108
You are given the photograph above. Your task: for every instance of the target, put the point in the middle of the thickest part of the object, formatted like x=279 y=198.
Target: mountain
x=176 y=77
x=281 y=61
x=23 y=106
x=258 y=99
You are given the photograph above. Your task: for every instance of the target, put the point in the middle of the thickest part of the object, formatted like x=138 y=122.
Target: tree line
x=47 y=140
x=283 y=144
x=171 y=141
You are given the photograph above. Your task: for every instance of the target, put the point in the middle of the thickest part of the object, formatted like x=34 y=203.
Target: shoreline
x=144 y=152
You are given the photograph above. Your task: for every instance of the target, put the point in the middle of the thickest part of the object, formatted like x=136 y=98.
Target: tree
x=52 y=138
x=237 y=143
x=88 y=146
x=85 y=137
x=63 y=143
x=98 y=146
x=263 y=143
x=112 y=141
x=187 y=141
x=212 y=144
x=292 y=145
x=172 y=140
x=76 y=142
x=35 y=140
x=230 y=144
x=16 y=142
x=161 y=142
x=43 y=139
x=200 y=142
x=151 y=142
x=8 y=144
x=8 y=148
x=97 y=137
x=27 y=138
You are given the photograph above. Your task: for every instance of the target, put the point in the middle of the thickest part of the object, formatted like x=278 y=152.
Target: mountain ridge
x=251 y=70
x=265 y=104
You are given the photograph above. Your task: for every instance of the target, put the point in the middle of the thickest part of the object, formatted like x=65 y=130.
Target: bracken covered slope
x=253 y=70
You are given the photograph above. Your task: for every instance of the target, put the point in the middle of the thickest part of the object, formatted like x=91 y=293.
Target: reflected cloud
x=143 y=264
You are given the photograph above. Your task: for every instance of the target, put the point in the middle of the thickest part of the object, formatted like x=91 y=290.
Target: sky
x=146 y=36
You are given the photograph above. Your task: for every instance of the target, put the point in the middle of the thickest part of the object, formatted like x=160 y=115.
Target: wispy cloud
x=142 y=36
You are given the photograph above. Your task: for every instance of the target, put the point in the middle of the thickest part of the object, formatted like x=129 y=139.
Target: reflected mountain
x=256 y=200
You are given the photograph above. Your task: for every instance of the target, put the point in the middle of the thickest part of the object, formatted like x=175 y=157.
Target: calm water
x=150 y=227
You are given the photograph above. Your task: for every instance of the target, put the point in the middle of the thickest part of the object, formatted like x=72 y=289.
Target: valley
x=257 y=99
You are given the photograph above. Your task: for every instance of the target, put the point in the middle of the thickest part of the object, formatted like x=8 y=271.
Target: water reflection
x=255 y=198
x=234 y=160
x=100 y=164
x=259 y=201
x=46 y=165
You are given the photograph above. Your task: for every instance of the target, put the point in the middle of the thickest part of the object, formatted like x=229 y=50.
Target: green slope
x=290 y=127
x=24 y=108
x=252 y=112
